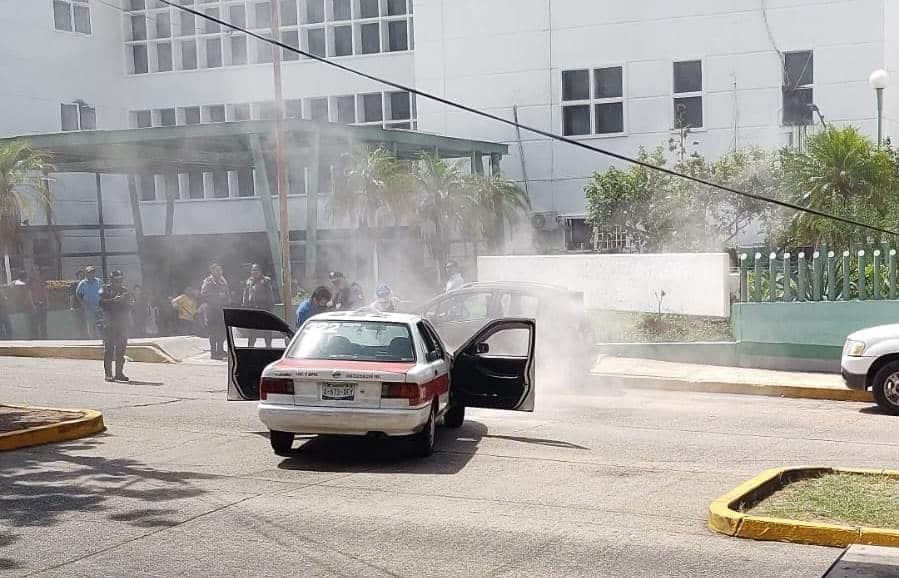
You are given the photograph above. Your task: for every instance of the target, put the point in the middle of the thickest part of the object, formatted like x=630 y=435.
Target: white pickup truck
x=871 y=361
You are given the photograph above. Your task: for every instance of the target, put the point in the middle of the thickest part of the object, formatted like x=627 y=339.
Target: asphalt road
x=616 y=483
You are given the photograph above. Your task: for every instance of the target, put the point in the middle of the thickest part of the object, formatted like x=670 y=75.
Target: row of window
x=160 y=38
x=394 y=110
x=593 y=99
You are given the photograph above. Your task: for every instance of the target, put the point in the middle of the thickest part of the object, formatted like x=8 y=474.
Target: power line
x=547 y=134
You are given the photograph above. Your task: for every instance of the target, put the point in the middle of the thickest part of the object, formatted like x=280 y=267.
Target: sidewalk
x=149 y=350
x=650 y=374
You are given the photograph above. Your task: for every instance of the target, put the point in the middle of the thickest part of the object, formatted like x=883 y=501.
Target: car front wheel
x=282 y=441
x=886 y=388
x=454 y=416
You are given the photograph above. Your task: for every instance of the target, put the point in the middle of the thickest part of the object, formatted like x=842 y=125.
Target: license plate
x=338 y=391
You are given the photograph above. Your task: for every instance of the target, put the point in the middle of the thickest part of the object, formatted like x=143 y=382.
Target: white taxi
x=365 y=373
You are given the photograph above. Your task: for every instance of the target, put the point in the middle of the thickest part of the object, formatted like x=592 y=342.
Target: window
x=167 y=117
x=77 y=116
x=215 y=113
x=369 y=8
x=142 y=119
x=342 y=9
x=192 y=115
x=293 y=108
x=593 y=101
x=397 y=35
x=72 y=16
x=163 y=25
x=399 y=109
x=147 y=185
x=138 y=27
x=353 y=340
x=688 y=94
x=372 y=110
x=290 y=38
x=139 y=53
x=316 y=41
x=238 y=50
x=188 y=55
x=343 y=40
x=195 y=184
x=288 y=13
x=245 y=185
x=171 y=185
x=371 y=38
x=315 y=11
x=240 y=112
x=798 y=91
x=164 y=56
x=220 y=184
x=346 y=109
x=213 y=52
x=318 y=109
x=264 y=15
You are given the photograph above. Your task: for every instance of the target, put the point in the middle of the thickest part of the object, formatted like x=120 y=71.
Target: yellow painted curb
x=791 y=391
x=726 y=517
x=142 y=353
x=91 y=422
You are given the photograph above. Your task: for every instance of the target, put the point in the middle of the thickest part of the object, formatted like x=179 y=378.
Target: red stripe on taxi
x=346 y=365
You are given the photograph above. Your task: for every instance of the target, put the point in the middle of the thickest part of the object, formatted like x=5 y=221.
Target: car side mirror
x=432 y=356
x=481 y=348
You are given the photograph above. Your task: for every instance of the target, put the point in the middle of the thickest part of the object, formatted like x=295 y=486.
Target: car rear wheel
x=423 y=442
x=454 y=416
x=886 y=388
x=282 y=441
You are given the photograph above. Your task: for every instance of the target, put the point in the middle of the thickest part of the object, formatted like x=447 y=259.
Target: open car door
x=255 y=339
x=495 y=367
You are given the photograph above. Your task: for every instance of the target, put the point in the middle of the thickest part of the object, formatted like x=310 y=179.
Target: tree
x=23 y=188
x=662 y=212
x=494 y=202
x=443 y=202
x=374 y=189
x=840 y=172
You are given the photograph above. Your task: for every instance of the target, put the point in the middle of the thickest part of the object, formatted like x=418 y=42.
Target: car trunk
x=351 y=384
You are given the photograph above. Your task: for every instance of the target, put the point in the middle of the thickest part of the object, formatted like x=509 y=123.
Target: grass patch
x=841 y=498
x=627 y=327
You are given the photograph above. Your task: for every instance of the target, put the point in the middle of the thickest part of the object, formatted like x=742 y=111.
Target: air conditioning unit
x=545 y=221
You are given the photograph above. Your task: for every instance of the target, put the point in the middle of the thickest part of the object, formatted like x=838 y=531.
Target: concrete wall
x=694 y=283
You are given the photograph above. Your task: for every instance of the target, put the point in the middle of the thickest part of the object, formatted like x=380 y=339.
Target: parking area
x=597 y=481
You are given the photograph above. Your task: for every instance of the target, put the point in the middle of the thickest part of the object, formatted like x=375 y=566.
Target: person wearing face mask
x=258 y=293
x=115 y=315
x=216 y=295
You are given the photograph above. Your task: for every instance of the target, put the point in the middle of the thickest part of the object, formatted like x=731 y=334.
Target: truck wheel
x=454 y=416
x=281 y=441
x=423 y=442
x=886 y=388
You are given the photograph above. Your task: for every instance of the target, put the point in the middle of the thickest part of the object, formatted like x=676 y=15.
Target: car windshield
x=353 y=340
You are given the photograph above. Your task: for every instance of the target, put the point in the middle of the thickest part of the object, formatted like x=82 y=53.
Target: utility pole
x=281 y=186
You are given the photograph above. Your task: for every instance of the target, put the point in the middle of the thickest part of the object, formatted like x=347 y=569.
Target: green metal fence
x=864 y=274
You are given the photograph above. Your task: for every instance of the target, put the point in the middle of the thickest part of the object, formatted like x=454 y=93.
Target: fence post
x=877 y=280
x=846 y=281
x=892 y=273
x=801 y=279
x=818 y=273
x=744 y=279
x=862 y=282
x=831 y=276
x=788 y=278
x=772 y=277
x=757 y=268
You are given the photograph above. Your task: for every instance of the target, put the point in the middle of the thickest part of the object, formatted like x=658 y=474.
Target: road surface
x=616 y=483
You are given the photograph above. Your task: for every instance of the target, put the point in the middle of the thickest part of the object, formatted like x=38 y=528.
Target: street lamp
x=879 y=80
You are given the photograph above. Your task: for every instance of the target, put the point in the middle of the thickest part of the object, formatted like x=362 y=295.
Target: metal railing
x=818 y=276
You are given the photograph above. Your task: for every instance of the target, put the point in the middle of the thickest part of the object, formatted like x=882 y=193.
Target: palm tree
x=840 y=172
x=23 y=188
x=498 y=202
x=444 y=201
x=373 y=190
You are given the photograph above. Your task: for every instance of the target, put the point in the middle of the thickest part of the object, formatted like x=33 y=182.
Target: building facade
x=619 y=75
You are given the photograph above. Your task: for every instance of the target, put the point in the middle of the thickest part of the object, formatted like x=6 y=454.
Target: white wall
x=694 y=283
x=497 y=53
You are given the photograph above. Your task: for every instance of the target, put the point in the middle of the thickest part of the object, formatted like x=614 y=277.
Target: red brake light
x=411 y=391
x=277 y=385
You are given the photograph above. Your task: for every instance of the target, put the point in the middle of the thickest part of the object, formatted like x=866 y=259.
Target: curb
x=791 y=391
x=725 y=517
x=91 y=422
x=141 y=353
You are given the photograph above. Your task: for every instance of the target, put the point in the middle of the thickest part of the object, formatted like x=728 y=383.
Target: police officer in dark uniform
x=115 y=308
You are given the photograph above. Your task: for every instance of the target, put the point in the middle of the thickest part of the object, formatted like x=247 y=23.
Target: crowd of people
x=114 y=313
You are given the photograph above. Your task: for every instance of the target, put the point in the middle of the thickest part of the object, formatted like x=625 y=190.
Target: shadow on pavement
x=874 y=410
x=455 y=448
x=42 y=486
x=539 y=441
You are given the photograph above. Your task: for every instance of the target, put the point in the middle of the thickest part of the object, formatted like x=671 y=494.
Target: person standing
x=216 y=295
x=346 y=296
x=186 y=307
x=258 y=293
x=315 y=304
x=454 y=278
x=88 y=294
x=115 y=315
x=37 y=296
x=386 y=301
x=75 y=303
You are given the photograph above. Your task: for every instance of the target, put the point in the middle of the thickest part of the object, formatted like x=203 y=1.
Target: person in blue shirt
x=88 y=294
x=315 y=304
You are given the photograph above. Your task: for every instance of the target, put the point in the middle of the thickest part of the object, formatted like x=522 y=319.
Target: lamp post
x=879 y=80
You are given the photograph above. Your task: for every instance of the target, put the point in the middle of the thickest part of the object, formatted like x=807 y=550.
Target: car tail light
x=276 y=385
x=411 y=391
